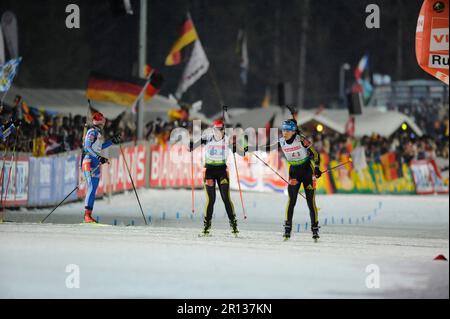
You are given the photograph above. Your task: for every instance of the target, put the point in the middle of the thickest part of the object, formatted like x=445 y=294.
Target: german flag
x=28 y=117
x=188 y=35
x=155 y=82
x=121 y=91
x=390 y=166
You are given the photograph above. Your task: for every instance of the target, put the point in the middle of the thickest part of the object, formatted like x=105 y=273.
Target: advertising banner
x=427 y=177
x=171 y=167
x=15 y=174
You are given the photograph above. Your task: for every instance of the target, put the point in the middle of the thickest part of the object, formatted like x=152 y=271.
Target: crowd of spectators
x=434 y=143
x=46 y=133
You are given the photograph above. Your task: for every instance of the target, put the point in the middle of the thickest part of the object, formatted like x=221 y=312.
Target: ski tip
x=203 y=235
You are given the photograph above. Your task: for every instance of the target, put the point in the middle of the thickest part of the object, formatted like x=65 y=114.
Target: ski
x=204 y=235
x=95 y=224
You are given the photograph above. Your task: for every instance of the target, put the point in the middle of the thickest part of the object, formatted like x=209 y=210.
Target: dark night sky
x=56 y=57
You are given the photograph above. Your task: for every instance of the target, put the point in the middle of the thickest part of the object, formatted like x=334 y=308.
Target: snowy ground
x=397 y=235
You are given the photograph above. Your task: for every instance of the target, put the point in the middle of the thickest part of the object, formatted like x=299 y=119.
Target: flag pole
x=142 y=59
x=216 y=85
x=210 y=71
x=3 y=98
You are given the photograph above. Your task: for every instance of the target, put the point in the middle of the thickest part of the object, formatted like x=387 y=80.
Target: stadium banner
x=272 y=182
x=52 y=178
x=255 y=176
x=65 y=169
x=17 y=185
x=41 y=182
x=427 y=177
x=324 y=184
x=347 y=180
x=170 y=166
x=386 y=184
x=114 y=176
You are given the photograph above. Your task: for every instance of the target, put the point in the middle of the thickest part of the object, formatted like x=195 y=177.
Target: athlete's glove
x=245 y=150
x=102 y=159
x=116 y=139
x=317 y=172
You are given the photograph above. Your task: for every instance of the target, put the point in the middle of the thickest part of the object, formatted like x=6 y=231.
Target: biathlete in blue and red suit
x=93 y=145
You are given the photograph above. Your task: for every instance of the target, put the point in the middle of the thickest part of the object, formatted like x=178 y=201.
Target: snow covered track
x=169 y=260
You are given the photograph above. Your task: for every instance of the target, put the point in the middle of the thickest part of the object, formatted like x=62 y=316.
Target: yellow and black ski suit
x=304 y=163
x=216 y=172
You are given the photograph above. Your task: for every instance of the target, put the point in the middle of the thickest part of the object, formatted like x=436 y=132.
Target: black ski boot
x=315 y=232
x=287 y=231
x=234 y=229
x=206 y=228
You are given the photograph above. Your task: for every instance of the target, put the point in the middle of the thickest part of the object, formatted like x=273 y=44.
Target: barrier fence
x=45 y=181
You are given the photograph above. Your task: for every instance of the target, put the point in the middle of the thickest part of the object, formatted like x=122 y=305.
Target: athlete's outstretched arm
x=107 y=144
x=193 y=146
x=115 y=140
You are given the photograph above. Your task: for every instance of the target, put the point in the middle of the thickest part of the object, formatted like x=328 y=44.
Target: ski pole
x=2 y=174
x=192 y=181
x=239 y=184
x=10 y=169
x=1 y=181
x=337 y=166
x=9 y=178
x=276 y=173
x=132 y=183
x=224 y=111
x=76 y=188
x=60 y=203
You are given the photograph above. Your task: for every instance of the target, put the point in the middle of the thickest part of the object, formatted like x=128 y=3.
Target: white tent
x=258 y=117
x=371 y=121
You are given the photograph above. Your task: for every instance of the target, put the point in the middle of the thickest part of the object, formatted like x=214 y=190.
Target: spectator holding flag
x=7 y=73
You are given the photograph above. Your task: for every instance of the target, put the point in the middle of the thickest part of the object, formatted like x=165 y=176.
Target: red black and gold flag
x=390 y=166
x=27 y=116
x=121 y=91
x=188 y=35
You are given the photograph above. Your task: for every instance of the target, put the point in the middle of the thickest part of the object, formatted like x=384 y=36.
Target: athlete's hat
x=98 y=118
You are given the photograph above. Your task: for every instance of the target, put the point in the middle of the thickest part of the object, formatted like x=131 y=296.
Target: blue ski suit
x=92 y=146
